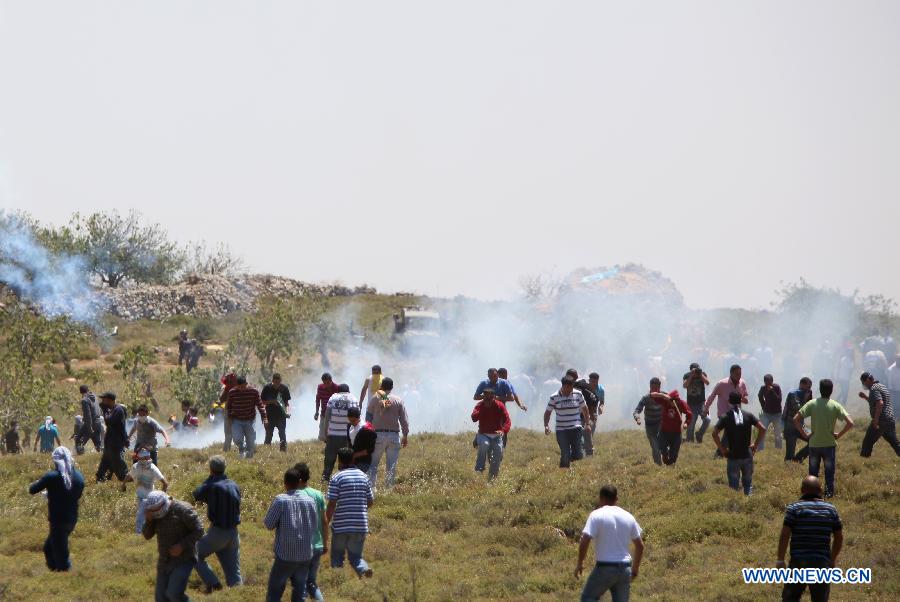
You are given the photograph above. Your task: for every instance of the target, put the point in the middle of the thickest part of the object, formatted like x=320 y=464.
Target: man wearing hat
x=115 y=442
x=177 y=528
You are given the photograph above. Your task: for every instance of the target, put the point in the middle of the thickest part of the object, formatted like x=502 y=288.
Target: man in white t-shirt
x=612 y=529
x=145 y=474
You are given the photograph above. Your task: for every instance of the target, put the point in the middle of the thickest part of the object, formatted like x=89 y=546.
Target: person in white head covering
x=738 y=425
x=144 y=473
x=177 y=528
x=47 y=435
x=64 y=485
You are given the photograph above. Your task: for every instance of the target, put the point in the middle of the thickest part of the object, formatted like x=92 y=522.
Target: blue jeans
x=588 y=439
x=226 y=545
x=333 y=445
x=172 y=581
x=352 y=544
x=615 y=579
x=139 y=519
x=388 y=445
x=767 y=419
x=697 y=414
x=571 y=446
x=828 y=455
x=490 y=448
x=56 y=546
x=740 y=473
x=652 y=431
x=312 y=588
x=244 y=436
x=282 y=571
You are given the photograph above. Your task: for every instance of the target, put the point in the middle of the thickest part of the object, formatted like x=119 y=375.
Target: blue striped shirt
x=223 y=500
x=351 y=489
x=295 y=519
x=811 y=522
x=568 y=410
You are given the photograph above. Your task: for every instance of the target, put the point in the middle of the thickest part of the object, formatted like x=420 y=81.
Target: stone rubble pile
x=211 y=296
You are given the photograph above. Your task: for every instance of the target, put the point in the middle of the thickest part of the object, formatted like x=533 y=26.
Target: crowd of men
x=358 y=432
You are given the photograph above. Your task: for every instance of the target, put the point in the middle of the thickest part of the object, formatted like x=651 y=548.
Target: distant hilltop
x=629 y=279
x=211 y=296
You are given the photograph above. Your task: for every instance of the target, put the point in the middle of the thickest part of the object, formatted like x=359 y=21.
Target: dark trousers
x=89 y=433
x=818 y=592
x=669 y=444
x=887 y=429
x=332 y=446
x=828 y=457
x=112 y=462
x=226 y=446
x=790 y=445
x=279 y=422
x=697 y=414
x=652 y=431
x=56 y=547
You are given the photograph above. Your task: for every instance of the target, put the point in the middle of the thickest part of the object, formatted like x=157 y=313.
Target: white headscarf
x=738 y=414
x=48 y=422
x=62 y=459
x=157 y=503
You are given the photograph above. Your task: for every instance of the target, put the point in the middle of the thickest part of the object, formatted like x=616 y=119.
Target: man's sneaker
x=829 y=494
x=213 y=588
x=367 y=573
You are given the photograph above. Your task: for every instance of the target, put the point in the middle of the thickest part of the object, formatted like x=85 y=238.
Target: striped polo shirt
x=811 y=522
x=351 y=490
x=568 y=410
x=339 y=404
x=879 y=391
x=242 y=404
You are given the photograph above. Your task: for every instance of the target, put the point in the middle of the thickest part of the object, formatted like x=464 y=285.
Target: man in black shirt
x=277 y=398
x=361 y=438
x=116 y=440
x=11 y=439
x=737 y=425
x=792 y=404
x=92 y=421
x=695 y=381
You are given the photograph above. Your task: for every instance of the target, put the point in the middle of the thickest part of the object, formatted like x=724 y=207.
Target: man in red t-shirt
x=676 y=415
x=493 y=422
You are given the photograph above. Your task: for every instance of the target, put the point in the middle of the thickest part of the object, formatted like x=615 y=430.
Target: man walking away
x=47 y=435
x=277 y=397
x=493 y=420
x=222 y=497
x=243 y=401
x=810 y=525
x=882 y=412
x=652 y=418
x=694 y=382
x=115 y=442
x=824 y=413
x=572 y=417
x=770 y=401
x=11 y=438
x=336 y=417
x=177 y=528
x=349 y=499
x=320 y=541
x=361 y=439
x=323 y=393
x=372 y=384
x=64 y=485
x=229 y=381
x=92 y=421
x=721 y=394
x=792 y=404
x=392 y=425
x=611 y=528
x=739 y=453
x=676 y=415
x=294 y=518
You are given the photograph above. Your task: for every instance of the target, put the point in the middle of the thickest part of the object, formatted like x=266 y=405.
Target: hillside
x=444 y=534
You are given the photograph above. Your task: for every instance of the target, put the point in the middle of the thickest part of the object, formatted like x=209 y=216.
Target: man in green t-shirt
x=824 y=412
x=320 y=541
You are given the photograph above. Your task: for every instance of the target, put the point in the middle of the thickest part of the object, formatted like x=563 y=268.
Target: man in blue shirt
x=222 y=497
x=47 y=435
x=294 y=517
x=64 y=485
x=349 y=499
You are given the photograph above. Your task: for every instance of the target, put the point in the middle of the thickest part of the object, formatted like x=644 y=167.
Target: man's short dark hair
x=326 y=376
x=655 y=381
x=376 y=368
x=734 y=367
x=291 y=478
x=806 y=381
x=865 y=376
x=343 y=388
x=143 y=408
x=276 y=376
x=768 y=377
x=826 y=387
x=241 y=380
x=353 y=412
x=594 y=376
x=609 y=493
x=303 y=470
x=345 y=456
x=387 y=384
x=83 y=389
x=488 y=390
x=567 y=381
x=187 y=402
x=734 y=398
x=502 y=371
x=693 y=366
x=572 y=372
x=492 y=371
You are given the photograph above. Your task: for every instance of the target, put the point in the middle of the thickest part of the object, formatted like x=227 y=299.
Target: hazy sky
x=452 y=147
